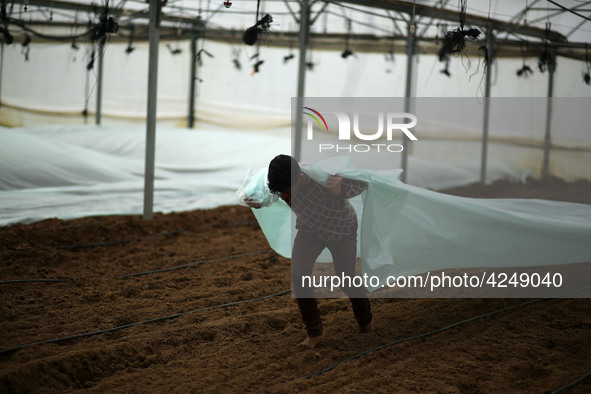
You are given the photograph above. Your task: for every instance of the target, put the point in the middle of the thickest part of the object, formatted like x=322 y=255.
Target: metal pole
x=410 y=48
x=86 y=96
x=485 y=121
x=546 y=163
x=99 y=84
x=154 y=34
x=303 y=39
x=192 y=82
x=1 y=69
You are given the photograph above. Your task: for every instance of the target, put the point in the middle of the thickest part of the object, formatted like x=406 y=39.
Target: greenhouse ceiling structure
x=366 y=25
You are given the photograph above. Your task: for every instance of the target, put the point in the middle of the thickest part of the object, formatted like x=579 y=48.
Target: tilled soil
x=216 y=317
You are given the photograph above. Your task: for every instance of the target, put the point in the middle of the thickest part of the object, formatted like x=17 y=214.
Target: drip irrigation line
x=194 y=263
x=424 y=335
x=124 y=241
x=33 y=280
x=155 y=320
x=92 y=224
x=573 y=384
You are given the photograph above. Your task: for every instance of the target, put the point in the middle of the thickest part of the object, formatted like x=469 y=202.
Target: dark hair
x=284 y=171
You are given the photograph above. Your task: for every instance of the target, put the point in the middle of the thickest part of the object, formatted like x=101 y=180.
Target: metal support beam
x=303 y=40
x=99 y=83
x=89 y=8
x=575 y=28
x=192 y=82
x=547 y=137
x=291 y=11
x=441 y=5
x=485 y=122
x=410 y=49
x=151 y=110
x=559 y=12
x=313 y=20
x=521 y=14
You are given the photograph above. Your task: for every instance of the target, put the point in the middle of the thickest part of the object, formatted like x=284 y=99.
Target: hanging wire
x=252 y=35
x=454 y=42
x=445 y=70
x=525 y=71
x=130 y=48
x=412 y=27
x=485 y=51
x=347 y=52
x=586 y=75
x=547 y=59
x=290 y=55
x=463 y=4
x=236 y=58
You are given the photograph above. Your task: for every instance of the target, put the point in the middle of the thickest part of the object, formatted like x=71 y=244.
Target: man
x=325 y=219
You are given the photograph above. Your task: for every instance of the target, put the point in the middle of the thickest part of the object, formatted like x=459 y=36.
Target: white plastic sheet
x=75 y=171
x=406 y=230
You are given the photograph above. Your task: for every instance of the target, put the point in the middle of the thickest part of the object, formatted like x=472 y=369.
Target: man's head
x=284 y=172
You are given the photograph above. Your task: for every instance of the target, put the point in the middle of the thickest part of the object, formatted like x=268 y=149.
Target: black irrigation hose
x=193 y=264
x=33 y=280
x=573 y=384
x=124 y=241
x=158 y=319
x=415 y=337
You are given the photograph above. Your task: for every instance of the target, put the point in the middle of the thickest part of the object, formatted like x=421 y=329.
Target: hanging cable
x=586 y=75
x=484 y=48
x=547 y=59
x=445 y=70
x=347 y=52
x=130 y=48
x=525 y=71
x=412 y=28
x=236 y=58
x=106 y=25
x=454 y=41
x=259 y=29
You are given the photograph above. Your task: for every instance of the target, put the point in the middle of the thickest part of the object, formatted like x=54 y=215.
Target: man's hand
x=251 y=203
x=334 y=184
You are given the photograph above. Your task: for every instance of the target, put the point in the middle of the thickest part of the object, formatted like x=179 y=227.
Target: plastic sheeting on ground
x=76 y=171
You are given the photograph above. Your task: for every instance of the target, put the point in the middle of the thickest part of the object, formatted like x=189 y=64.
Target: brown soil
x=253 y=346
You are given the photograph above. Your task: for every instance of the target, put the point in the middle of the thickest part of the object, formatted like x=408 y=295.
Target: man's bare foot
x=367 y=328
x=312 y=342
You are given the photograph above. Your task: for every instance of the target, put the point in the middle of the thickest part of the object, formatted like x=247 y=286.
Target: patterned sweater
x=325 y=215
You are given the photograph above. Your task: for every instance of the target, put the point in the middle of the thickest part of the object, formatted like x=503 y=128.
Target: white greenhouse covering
x=56 y=162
